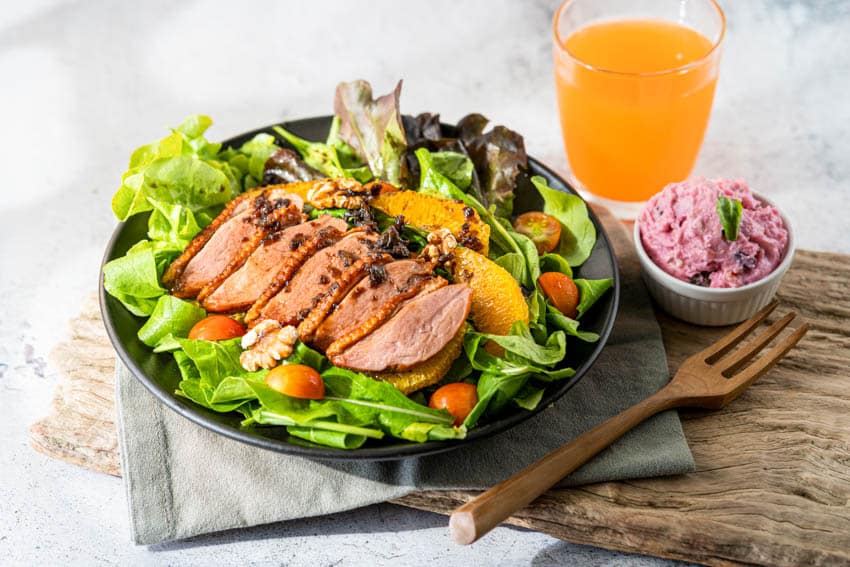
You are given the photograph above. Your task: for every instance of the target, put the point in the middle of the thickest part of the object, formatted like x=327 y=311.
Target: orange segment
x=300 y=188
x=431 y=213
x=497 y=299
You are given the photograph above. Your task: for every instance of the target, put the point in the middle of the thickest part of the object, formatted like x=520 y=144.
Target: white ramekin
x=711 y=306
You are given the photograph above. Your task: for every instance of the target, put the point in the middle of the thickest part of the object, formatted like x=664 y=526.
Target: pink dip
x=681 y=232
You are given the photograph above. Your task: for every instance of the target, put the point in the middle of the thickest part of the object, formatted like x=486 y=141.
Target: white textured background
x=84 y=83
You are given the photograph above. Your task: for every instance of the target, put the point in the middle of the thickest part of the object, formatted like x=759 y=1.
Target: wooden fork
x=710 y=379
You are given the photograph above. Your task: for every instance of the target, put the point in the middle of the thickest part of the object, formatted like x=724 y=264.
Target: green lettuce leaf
x=133 y=279
x=170 y=317
x=181 y=168
x=372 y=127
x=578 y=235
x=215 y=360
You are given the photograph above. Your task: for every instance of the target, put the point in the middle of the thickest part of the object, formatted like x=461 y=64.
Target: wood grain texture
x=773 y=468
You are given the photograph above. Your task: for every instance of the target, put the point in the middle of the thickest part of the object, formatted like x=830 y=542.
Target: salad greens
x=373 y=128
x=499 y=157
x=184 y=181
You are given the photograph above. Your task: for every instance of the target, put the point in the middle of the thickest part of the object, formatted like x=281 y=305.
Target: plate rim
x=394 y=452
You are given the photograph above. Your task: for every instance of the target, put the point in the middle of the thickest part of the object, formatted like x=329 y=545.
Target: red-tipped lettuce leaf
x=373 y=127
x=499 y=156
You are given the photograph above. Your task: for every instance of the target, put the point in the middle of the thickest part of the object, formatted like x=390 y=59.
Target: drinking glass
x=635 y=83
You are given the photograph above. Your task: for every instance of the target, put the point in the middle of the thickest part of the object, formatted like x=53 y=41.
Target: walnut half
x=440 y=247
x=340 y=193
x=267 y=343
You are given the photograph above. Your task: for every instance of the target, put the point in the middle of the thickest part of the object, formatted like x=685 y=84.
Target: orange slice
x=430 y=213
x=497 y=299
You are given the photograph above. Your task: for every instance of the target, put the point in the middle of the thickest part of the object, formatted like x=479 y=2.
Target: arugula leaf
x=570 y=326
x=555 y=263
x=336 y=439
x=170 y=317
x=520 y=346
x=502 y=379
x=372 y=127
x=578 y=235
x=590 y=291
x=515 y=264
x=529 y=397
x=729 y=211
x=529 y=254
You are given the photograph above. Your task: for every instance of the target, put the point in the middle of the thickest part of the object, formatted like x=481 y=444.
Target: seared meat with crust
x=247 y=284
x=384 y=312
x=368 y=298
x=420 y=328
x=303 y=291
x=225 y=244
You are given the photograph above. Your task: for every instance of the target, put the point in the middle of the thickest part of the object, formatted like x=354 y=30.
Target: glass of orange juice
x=635 y=81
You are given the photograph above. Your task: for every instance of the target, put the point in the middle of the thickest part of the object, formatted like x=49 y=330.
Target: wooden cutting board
x=773 y=469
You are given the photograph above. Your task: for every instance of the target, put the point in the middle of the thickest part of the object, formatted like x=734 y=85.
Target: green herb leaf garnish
x=729 y=211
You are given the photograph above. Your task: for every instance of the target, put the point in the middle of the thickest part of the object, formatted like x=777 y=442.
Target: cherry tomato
x=457 y=398
x=561 y=291
x=544 y=230
x=296 y=380
x=217 y=328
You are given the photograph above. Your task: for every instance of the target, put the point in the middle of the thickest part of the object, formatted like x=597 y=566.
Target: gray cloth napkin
x=183 y=480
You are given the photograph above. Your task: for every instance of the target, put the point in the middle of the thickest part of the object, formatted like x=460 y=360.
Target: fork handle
x=481 y=514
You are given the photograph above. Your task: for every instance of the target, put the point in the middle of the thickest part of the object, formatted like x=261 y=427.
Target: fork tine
x=770 y=358
x=733 y=362
x=727 y=343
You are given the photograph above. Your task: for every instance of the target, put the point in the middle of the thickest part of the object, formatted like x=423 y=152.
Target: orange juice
x=635 y=97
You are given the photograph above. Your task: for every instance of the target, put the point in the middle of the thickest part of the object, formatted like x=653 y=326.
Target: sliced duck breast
x=244 y=286
x=225 y=244
x=370 y=296
x=420 y=328
x=320 y=274
x=373 y=298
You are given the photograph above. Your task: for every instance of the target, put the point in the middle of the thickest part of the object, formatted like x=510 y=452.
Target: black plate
x=159 y=373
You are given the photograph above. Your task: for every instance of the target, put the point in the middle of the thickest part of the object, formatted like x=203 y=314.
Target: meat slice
x=420 y=328
x=244 y=286
x=372 y=296
x=319 y=275
x=228 y=241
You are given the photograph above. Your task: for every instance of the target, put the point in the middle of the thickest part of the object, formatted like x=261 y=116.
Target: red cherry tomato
x=457 y=398
x=296 y=380
x=544 y=230
x=217 y=328
x=561 y=291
